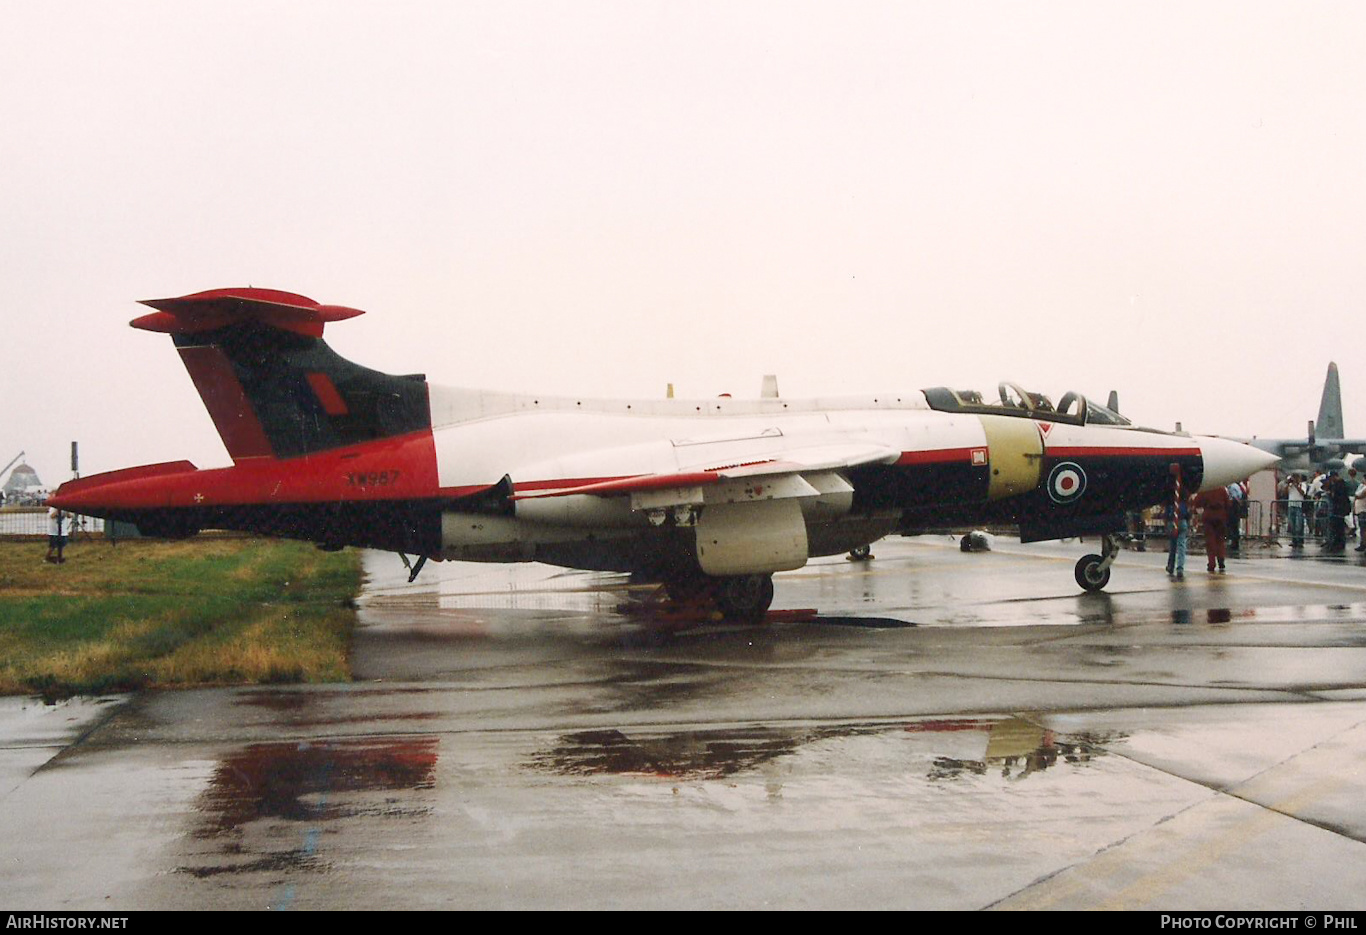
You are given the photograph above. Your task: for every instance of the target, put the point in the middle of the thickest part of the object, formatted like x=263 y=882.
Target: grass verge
x=202 y=611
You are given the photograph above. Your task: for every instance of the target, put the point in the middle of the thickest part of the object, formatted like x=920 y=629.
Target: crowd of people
x=1326 y=505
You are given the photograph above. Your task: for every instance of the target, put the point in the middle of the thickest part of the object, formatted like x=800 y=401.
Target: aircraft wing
x=778 y=475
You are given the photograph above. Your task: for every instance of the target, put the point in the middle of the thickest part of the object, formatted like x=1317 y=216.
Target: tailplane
x=272 y=385
x=1329 y=424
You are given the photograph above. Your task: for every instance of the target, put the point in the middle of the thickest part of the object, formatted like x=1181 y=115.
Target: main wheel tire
x=1090 y=576
x=745 y=598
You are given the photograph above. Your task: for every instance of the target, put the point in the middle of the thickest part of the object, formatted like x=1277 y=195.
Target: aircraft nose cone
x=1228 y=461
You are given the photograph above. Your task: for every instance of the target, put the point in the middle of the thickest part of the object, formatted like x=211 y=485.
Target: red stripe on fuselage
x=615 y=485
x=1095 y=451
x=569 y=482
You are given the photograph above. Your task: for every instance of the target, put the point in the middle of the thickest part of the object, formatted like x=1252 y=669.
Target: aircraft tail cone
x=1228 y=461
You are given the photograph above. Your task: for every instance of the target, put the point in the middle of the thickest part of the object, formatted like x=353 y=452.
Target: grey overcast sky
x=592 y=197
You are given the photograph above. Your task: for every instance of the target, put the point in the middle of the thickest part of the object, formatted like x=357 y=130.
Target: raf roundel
x=1066 y=482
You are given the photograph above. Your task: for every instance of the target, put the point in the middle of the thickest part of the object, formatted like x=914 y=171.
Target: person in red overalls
x=1215 y=506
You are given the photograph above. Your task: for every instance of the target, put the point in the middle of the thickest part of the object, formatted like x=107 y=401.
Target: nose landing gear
x=1093 y=571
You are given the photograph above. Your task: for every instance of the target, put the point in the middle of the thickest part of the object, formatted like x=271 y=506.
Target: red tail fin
x=272 y=385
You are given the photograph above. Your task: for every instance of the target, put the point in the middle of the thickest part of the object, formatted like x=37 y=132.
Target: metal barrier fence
x=1275 y=521
x=1314 y=519
x=32 y=521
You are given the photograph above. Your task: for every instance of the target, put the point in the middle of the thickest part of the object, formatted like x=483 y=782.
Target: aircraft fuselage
x=436 y=491
x=329 y=451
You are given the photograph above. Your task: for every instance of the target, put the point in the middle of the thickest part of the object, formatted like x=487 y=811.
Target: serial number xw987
x=372 y=479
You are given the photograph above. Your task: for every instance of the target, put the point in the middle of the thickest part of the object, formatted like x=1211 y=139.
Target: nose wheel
x=1093 y=571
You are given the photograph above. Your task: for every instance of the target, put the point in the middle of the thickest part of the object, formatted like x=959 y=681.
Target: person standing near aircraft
x=1294 y=503
x=1178 y=534
x=1317 y=508
x=1215 y=508
x=1237 y=494
x=56 y=535
x=1339 y=505
x=1359 y=508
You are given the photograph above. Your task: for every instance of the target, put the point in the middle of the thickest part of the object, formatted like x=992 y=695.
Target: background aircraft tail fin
x=271 y=384
x=1329 y=423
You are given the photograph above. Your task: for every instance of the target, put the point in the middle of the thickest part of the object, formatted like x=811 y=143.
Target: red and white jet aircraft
x=712 y=495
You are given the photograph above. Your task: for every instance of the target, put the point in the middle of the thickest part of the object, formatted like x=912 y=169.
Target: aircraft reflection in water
x=254 y=791
x=959 y=747
x=1014 y=749
x=712 y=497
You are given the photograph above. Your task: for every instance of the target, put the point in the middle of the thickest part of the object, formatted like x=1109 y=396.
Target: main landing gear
x=744 y=597
x=1093 y=571
x=740 y=598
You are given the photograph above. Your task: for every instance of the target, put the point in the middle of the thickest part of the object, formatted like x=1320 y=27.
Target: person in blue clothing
x=1295 y=495
x=1178 y=516
x=1237 y=495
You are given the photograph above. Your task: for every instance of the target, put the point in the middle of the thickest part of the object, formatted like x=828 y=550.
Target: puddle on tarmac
x=311 y=708
x=693 y=755
x=1211 y=615
x=948 y=749
x=1286 y=613
x=533 y=587
x=597 y=602
x=266 y=803
x=1015 y=750
x=299 y=781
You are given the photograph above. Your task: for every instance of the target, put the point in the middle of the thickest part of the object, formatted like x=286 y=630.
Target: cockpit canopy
x=1014 y=400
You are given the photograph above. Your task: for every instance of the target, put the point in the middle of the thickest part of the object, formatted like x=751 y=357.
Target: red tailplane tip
x=218 y=308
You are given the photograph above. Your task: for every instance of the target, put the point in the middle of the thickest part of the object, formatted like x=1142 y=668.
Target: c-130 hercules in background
x=712 y=495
